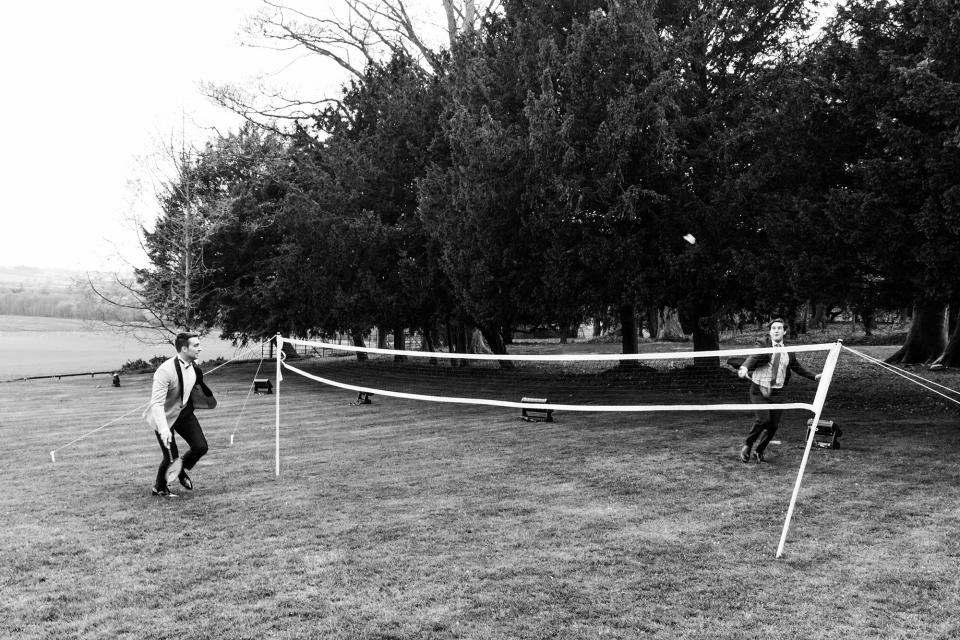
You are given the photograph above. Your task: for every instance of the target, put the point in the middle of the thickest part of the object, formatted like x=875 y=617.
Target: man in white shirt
x=768 y=375
x=170 y=411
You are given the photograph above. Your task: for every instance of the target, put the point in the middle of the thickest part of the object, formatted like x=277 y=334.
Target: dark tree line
x=544 y=169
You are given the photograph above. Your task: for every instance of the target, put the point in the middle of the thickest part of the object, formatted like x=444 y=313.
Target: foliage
x=883 y=162
x=142 y=366
x=900 y=96
x=725 y=53
x=546 y=167
x=360 y=208
x=472 y=194
x=248 y=175
x=602 y=129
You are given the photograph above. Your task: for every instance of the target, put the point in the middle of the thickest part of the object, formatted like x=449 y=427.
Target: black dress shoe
x=758 y=455
x=745 y=453
x=185 y=481
x=163 y=493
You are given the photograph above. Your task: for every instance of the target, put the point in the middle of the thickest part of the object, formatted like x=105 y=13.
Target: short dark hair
x=183 y=340
x=780 y=320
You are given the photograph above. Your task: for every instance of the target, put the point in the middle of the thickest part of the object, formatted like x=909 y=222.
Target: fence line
x=62 y=375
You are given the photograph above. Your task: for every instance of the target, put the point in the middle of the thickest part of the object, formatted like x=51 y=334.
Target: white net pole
x=818 y=402
x=279 y=377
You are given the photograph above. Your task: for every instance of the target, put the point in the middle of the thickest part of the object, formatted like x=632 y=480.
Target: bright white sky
x=93 y=88
x=90 y=89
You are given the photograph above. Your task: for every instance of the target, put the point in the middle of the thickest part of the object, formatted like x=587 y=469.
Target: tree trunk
x=869 y=321
x=457 y=341
x=953 y=310
x=653 y=321
x=800 y=319
x=699 y=320
x=451 y=345
x=381 y=338
x=951 y=354
x=706 y=337
x=818 y=319
x=628 y=324
x=451 y=13
x=926 y=340
x=597 y=327
x=479 y=343
x=494 y=341
x=867 y=317
x=399 y=343
x=357 y=337
x=463 y=333
x=668 y=326
x=428 y=343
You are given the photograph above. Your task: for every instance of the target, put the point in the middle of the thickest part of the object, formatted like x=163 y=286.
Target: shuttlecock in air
x=689 y=238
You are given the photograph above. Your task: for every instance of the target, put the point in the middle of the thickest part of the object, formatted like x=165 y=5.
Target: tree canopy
x=544 y=168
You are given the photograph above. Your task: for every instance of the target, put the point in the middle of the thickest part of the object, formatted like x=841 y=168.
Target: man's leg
x=772 y=426
x=189 y=429
x=168 y=456
x=763 y=415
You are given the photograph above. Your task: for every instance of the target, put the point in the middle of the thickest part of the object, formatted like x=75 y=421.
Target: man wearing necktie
x=768 y=375
x=177 y=386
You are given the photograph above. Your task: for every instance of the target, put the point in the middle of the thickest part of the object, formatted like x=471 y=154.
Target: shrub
x=142 y=366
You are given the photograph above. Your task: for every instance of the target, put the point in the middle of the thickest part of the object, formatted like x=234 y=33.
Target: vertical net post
x=277 y=401
x=818 y=402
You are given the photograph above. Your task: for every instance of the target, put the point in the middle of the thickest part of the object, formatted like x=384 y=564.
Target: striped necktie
x=775 y=368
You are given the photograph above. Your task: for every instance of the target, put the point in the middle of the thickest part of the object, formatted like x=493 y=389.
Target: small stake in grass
x=53 y=457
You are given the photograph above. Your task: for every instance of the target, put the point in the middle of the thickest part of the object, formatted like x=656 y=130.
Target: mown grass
x=415 y=520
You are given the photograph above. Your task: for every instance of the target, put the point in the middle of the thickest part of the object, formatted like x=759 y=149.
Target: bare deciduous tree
x=161 y=298
x=351 y=34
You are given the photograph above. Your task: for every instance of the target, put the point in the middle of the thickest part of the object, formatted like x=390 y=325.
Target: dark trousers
x=189 y=429
x=768 y=420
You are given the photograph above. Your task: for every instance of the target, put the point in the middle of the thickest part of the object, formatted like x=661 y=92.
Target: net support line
x=818 y=402
x=53 y=453
x=245 y=401
x=908 y=375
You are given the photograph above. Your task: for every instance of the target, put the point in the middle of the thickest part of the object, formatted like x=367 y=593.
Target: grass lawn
x=420 y=520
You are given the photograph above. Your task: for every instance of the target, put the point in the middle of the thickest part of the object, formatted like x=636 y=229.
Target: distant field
x=420 y=521
x=32 y=346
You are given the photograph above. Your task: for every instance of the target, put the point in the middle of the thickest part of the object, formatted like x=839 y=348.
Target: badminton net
x=662 y=381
